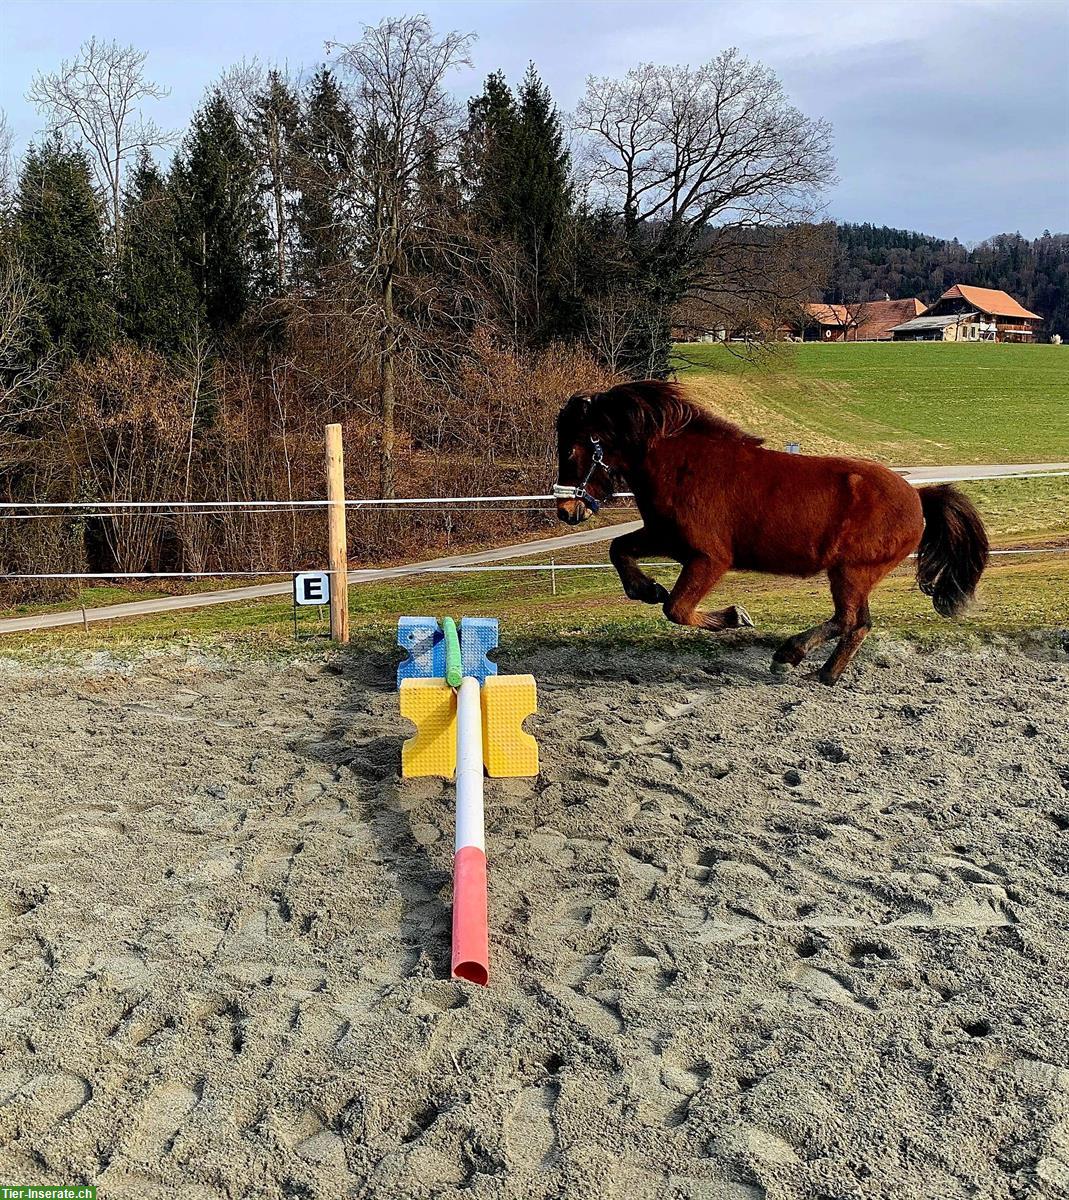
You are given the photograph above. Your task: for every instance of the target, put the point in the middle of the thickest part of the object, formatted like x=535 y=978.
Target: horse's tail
x=953 y=551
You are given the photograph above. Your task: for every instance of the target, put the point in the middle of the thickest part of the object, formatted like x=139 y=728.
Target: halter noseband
x=579 y=492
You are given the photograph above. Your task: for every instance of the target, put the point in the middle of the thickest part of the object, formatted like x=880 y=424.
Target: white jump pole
x=471 y=943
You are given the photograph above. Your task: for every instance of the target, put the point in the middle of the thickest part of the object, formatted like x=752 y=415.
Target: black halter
x=579 y=492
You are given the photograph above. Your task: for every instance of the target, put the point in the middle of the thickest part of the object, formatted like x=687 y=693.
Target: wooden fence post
x=336 y=543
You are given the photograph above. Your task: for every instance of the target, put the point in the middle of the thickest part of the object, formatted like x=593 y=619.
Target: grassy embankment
x=910 y=403
x=903 y=404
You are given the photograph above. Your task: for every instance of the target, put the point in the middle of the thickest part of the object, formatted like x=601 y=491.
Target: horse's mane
x=650 y=409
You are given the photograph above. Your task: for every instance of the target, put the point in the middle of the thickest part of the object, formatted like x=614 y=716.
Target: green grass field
x=1020 y=598
x=908 y=403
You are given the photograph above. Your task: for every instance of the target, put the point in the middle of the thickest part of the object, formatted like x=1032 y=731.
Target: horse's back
x=801 y=514
x=852 y=509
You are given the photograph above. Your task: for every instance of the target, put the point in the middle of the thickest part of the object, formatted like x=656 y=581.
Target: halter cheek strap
x=562 y=492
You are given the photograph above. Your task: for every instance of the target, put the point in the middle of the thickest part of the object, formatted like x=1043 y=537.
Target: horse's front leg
x=623 y=552
x=698 y=577
x=794 y=649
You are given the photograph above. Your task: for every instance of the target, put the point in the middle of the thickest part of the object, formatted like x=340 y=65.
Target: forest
x=872 y=260
x=181 y=312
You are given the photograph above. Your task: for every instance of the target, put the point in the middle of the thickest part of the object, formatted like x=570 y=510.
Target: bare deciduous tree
x=400 y=108
x=22 y=371
x=697 y=162
x=6 y=166
x=100 y=93
x=703 y=145
x=610 y=323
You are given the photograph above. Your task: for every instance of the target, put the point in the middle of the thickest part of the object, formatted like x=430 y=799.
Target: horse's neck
x=651 y=476
x=642 y=479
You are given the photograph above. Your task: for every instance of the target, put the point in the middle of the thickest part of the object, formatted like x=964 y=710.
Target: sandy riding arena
x=750 y=937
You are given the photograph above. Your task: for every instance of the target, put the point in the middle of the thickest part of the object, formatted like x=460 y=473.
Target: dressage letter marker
x=460 y=728
x=311 y=587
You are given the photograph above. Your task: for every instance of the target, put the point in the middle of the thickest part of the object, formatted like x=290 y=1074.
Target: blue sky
x=950 y=116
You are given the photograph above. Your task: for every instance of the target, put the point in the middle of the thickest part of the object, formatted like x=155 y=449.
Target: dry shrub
x=130 y=429
x=138 y=427
x=489 y=431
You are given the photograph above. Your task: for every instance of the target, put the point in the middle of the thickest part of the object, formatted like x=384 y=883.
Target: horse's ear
x=582 y=402
x=598 y=423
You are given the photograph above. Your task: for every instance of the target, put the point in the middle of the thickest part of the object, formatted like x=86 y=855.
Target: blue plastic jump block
x=422 y=637
x=478 y=636
x=424 y=641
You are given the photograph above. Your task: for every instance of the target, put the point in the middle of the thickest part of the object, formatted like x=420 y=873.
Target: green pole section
x=453 y=670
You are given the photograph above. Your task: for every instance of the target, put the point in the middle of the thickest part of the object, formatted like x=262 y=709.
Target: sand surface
x=751 y=937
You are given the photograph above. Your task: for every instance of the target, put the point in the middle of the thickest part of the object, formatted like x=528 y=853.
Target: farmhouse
x=821 y=323
x=971 y=314
x=961 y=314
x=868 y=321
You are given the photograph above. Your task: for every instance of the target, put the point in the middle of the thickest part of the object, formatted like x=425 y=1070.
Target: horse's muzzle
x=572 y=512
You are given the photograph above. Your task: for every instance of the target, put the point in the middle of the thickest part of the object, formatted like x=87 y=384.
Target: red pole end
x=471 y=939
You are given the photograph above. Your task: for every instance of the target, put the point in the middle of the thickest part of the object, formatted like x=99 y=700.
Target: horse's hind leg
x=623 y=552
x=698 y=577
x=848 y=645
x=850 y=587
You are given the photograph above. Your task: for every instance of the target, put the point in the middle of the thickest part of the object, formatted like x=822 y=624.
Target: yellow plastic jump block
x=431 y=705
x=509 y=752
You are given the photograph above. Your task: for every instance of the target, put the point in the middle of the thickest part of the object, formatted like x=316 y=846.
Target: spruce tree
x=222 y=233
x=487 y=156
x=157 y=298
x=324 y=146
x=274 y=124
x=516 y=174
x=58 y=231
x=540 y=196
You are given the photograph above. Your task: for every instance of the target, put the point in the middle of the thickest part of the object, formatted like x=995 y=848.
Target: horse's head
x=584 y=480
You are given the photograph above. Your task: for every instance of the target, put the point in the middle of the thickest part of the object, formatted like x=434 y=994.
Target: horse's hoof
x=655 y=594
x=745 y=621
x=779 y=668
x=827 y=678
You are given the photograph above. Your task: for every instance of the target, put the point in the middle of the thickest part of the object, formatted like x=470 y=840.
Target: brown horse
x=714 y=498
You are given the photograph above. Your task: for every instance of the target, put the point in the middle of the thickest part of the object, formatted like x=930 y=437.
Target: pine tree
x=516 y=172
x=157 y=298
x=222 y=234
x=324 y=144
x=540 y=196
x=60 y=235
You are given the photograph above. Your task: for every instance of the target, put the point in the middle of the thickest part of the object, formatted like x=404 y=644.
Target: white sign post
x=310 y=588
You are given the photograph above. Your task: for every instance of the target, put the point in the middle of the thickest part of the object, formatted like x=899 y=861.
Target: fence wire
x=385 y=574
x=195 y=506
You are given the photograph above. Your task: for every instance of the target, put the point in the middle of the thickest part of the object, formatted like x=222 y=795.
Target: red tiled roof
x=877 y=318
x=867 y=321
x=989 y=300
x=828 y=314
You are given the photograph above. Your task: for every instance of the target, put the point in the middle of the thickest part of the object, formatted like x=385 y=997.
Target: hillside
x=906 y=403
x=871 y=260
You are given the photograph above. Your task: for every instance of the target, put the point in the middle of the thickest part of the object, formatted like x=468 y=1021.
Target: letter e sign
x=311 y=587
